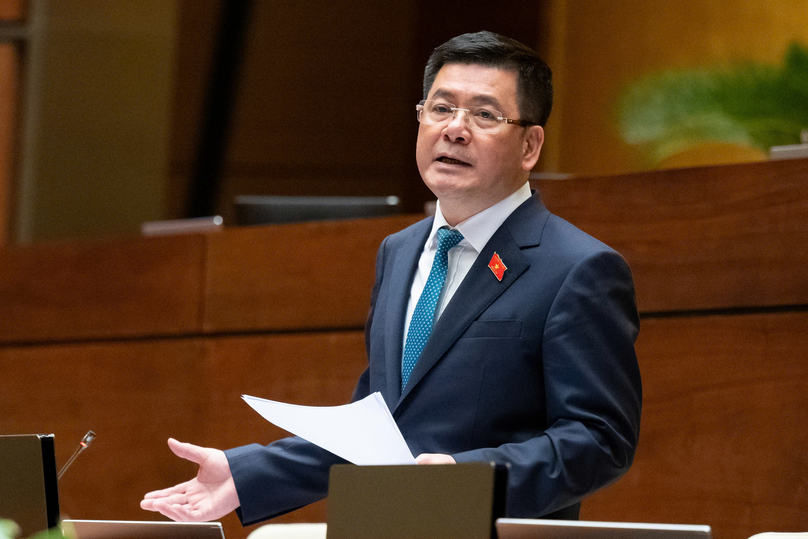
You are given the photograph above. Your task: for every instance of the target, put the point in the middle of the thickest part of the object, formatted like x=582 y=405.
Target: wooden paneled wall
x=144 y=338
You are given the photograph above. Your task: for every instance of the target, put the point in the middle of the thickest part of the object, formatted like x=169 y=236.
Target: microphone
x=83 y=444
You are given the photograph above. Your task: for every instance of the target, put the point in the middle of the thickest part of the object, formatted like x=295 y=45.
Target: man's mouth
x=450 y=161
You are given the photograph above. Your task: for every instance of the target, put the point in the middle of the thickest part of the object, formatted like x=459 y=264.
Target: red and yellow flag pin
x=497 y=266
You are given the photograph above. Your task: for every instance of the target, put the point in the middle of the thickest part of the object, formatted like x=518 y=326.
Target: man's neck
x=453 y=219
x=456 y=211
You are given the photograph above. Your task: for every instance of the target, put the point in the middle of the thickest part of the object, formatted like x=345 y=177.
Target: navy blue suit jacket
x=537 y=371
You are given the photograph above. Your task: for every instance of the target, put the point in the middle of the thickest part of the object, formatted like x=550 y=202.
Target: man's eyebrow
x=484 y=99
x=440 y=92
x=481 y=99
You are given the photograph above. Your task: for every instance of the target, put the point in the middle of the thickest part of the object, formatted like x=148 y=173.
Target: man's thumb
x=187 y=451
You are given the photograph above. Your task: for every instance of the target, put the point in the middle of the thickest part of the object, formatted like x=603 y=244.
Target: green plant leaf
x=746 y=103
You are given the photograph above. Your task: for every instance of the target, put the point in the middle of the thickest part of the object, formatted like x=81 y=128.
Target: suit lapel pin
x=497 y=266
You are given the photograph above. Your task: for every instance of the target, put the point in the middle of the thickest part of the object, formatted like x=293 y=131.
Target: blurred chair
x=289 y=531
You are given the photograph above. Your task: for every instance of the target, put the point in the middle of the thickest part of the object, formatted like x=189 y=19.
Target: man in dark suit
x=497 y=331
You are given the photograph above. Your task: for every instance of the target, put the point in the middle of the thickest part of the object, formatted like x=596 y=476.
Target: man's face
x=470 y=170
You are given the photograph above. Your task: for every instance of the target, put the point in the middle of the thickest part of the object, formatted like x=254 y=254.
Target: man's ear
x=532 y=143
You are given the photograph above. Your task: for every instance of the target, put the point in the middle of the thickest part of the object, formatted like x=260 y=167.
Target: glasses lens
x=436 y=111
x=485 y=119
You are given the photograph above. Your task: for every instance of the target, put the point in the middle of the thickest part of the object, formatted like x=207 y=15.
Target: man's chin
x=450 y=180
x=453 y=191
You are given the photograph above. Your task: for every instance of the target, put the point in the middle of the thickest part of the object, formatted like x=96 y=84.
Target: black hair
x=534 y=78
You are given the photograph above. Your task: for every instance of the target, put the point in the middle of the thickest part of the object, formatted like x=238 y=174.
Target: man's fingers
x=434 y=458
x=174 y=512
x=175 y=499
x=176 y=489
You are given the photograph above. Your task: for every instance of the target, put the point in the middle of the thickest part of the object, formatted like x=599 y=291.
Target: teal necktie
x=424 y=314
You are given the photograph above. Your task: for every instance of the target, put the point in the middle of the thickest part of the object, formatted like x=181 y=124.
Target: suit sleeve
x=592 y=389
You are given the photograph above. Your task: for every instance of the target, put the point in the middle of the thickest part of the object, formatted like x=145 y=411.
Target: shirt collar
x=479 y=228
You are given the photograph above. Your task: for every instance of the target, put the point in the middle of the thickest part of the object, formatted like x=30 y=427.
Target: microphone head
x=89 y=437
x=83 y=444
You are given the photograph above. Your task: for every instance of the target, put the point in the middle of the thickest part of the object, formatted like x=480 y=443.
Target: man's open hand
x=209 y=496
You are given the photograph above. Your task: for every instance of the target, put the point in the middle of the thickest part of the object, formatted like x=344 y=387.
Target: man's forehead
x=475 y=83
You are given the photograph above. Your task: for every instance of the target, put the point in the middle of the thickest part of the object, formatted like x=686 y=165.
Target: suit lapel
x=480 y=288
x=405 y=263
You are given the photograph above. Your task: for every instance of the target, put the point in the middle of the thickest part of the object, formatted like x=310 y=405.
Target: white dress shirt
x=476 y=230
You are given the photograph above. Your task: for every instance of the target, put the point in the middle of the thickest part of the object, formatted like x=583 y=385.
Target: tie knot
x=448 y=238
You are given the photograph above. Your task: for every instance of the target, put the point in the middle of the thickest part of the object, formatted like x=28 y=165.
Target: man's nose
x=458 y=127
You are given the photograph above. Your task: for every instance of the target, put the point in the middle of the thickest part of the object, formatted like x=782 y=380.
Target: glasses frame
x=501 y=120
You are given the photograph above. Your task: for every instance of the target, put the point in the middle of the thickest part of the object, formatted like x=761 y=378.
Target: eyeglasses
x=437 y=111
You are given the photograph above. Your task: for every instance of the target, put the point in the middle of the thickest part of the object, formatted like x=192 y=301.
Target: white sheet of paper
x=363 y=432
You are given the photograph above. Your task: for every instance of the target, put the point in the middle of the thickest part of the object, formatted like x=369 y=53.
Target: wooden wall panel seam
x=738 y=311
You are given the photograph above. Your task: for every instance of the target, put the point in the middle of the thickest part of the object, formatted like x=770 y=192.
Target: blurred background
x=113 y=113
